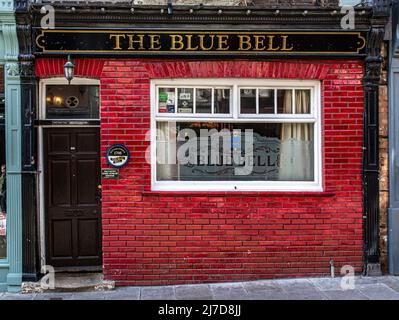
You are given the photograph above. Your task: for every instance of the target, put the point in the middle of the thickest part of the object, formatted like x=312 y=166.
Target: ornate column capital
x=12 y=69
x=374 y=58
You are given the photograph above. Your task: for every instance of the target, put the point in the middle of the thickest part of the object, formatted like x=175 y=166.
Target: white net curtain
x=296 y=151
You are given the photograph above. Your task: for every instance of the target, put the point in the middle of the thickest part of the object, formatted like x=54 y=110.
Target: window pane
x=222 y=101
x=185 y=101
x=284 y=101
x=266 y=101
x=248 y=101
x=302 y=101
x=203 y=101
x=265 y=152
x=166 y=100
x=3 y=189
x=166 y=151
x=72 y=102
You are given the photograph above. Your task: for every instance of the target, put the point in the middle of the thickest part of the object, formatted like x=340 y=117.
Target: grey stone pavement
x=365 y=288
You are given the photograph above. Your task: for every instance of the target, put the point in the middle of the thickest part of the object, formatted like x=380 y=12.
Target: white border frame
x=237 y=186
x=42 y=114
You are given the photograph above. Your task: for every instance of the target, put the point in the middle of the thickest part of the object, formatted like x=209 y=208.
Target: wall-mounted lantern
x=69 y=69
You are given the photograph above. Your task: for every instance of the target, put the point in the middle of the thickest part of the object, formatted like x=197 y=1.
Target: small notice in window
x=185 y=96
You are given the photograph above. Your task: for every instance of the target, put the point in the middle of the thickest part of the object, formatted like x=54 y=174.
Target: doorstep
x=70 y=282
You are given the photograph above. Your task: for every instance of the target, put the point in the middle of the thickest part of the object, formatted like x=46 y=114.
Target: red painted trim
x=54 y=67
x=237 y=69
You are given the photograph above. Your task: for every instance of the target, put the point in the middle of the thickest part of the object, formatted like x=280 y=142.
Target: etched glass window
x=217 y=151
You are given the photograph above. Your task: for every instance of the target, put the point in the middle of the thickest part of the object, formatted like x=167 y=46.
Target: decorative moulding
x=6 y=5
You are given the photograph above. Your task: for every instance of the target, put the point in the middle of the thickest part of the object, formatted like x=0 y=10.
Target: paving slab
x=345 y=295
x=193 y=292
x=158 y=293
x=392 y=282
x=261 y=286
x=124 y=293
x=17 y=296
x=301 y=289
x=233 y=291
x=327 y=284
x=379 y=291
x=294 y=284
x=305 y=288
x=307 y=295
x=367 y=280
x=53 y=296
x=87 y=296
x=268 y=295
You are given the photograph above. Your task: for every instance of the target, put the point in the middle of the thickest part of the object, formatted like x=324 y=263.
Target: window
x=77 y=101
x=253 y=135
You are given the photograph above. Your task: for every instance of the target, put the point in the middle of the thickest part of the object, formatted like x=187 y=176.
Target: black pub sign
x=180 y=43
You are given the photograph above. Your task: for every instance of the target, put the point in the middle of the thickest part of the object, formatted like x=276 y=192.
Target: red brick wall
x=168 y=238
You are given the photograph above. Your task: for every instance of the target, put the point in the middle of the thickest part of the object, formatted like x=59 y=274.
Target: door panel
x=73 y=214
x=62 y=246
x=88 y=237
x=87 y=187
x=86 y=142
x=59 y=142
x=60 y=182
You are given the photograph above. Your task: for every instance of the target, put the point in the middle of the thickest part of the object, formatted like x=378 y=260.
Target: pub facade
x=171 y=144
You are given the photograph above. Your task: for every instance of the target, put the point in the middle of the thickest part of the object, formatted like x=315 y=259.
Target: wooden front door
x=73 y=210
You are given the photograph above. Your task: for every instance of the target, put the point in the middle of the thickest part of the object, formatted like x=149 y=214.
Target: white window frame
x=62 y=81
x=235 y=117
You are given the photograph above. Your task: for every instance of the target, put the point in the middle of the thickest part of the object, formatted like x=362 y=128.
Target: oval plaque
x=118 y=155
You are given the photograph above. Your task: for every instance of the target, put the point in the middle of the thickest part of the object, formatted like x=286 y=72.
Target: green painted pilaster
x=14 y=194
x=11 y=268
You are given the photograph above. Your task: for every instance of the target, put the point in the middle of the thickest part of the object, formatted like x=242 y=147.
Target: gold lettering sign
x=117 y=38
x=155 y=42
x=190 y=42
x=147 y=42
